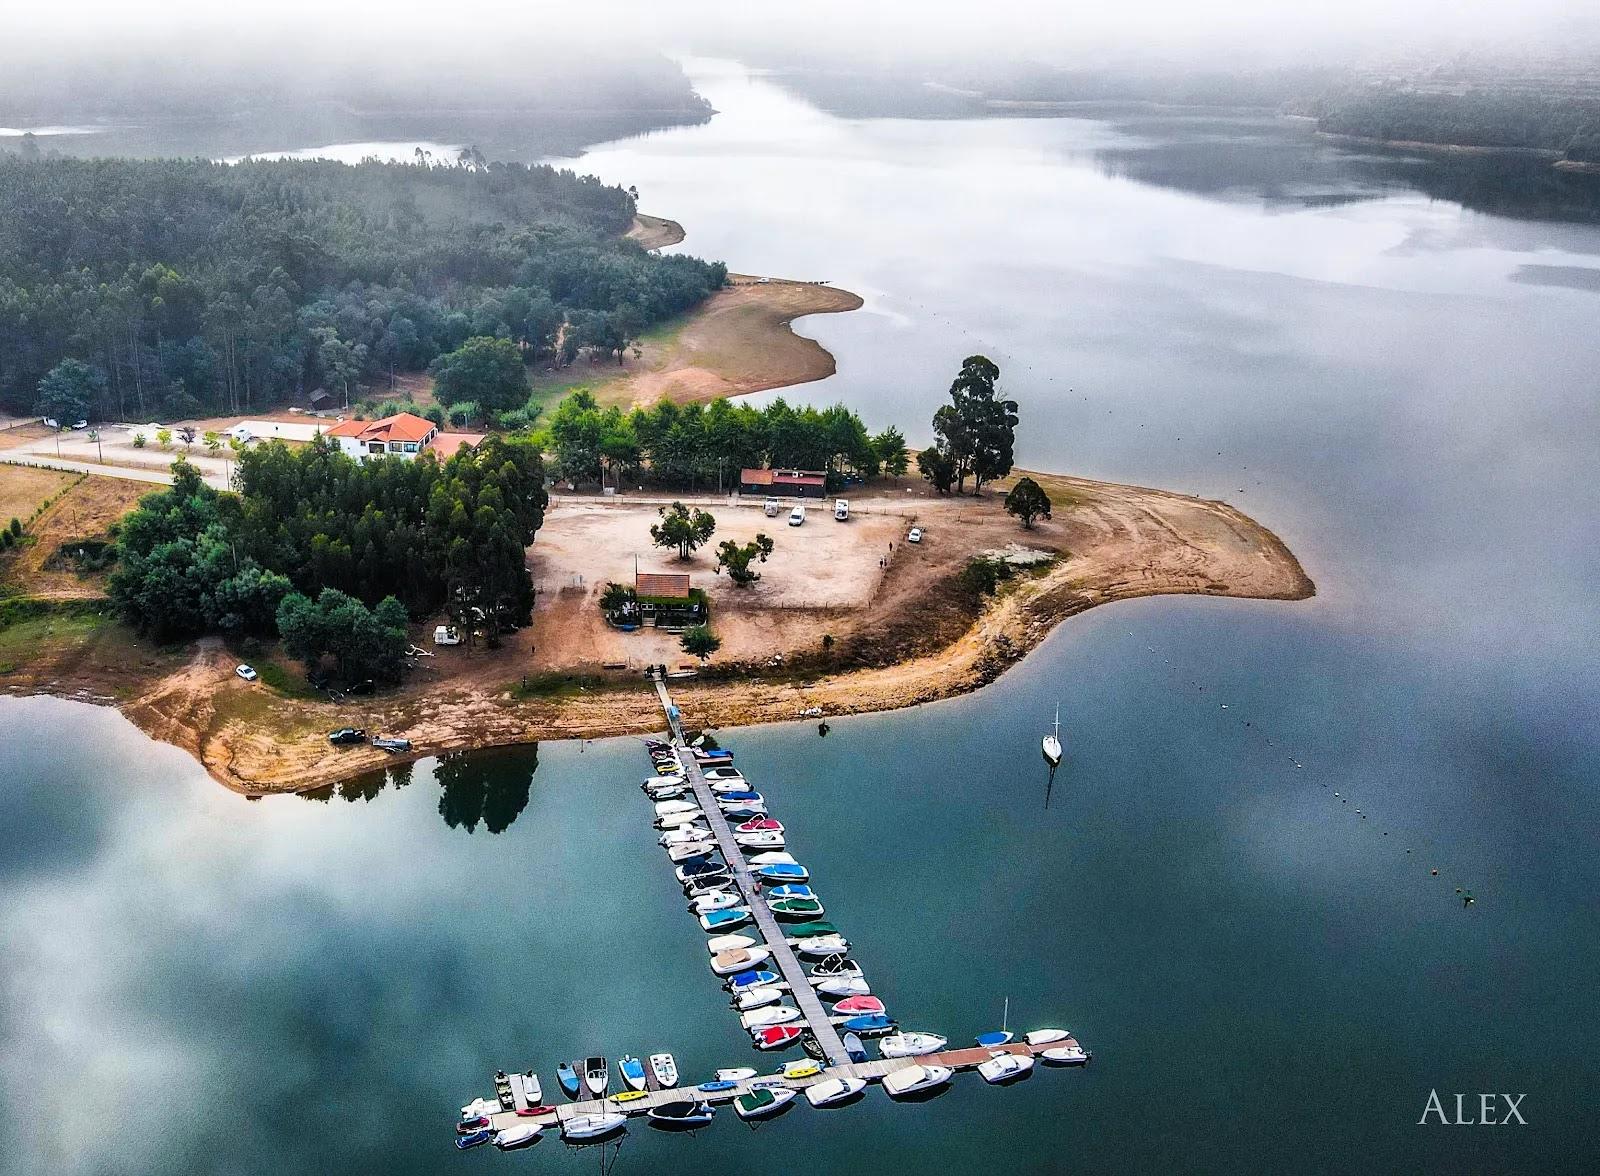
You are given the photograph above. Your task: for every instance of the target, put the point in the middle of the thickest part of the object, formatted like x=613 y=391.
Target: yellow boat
x=802 y=1070
x=628 y=1096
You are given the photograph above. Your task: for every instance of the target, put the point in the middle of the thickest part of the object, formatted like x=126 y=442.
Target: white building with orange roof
x=402 y=435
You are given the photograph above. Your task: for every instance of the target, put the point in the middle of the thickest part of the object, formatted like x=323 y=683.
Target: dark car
x=346 y=735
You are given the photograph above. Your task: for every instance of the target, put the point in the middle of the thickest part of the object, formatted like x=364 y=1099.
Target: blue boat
x=725 y=797
x=567 y=1076
x=791 y=890
x=783 y=872
x=992 y=1040
x=724 y=919
x=753 y=979
x=716 y=1087
x=481 y=1136
x=632 y=1071
x=742 y=814
x=870 y=1025
x=853 y=1047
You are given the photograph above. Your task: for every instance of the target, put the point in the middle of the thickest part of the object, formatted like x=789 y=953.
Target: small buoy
x=1458 y=890
x=1336 y=793
x=1435 y=873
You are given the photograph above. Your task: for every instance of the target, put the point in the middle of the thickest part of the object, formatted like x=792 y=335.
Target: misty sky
x=1267 y=30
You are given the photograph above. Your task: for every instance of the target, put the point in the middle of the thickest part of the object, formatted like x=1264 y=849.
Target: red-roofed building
x=403 y=435
x=673 y=584
x=446 y=444
x=784 y=483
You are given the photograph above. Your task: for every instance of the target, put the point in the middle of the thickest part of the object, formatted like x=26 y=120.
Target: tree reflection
x=487 y=786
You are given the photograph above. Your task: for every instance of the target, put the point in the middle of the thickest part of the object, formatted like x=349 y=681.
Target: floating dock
x=836 y=1063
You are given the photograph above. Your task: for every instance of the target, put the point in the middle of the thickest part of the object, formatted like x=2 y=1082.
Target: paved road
x=152 y=476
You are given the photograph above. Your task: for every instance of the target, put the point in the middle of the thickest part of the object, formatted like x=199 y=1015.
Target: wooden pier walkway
x=783 y=956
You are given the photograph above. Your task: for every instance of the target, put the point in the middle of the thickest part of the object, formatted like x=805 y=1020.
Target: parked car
x=245 y=672
x=770 y=507
x=841 y=509
x=797 y=516
x=915 y=535
x=446 y=635
x=392 y=745
x=346 y=735
x=366 y=687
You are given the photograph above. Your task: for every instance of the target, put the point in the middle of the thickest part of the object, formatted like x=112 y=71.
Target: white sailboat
x=1052 y=742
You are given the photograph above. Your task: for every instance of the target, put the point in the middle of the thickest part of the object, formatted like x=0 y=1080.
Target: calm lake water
x=1403 y=388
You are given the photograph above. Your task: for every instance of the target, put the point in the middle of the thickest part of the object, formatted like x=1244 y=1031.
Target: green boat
x=796 y=908
x=807 y=930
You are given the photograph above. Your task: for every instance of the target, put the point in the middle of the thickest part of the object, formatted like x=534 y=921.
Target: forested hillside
x=1569 y=126
x=192 y=287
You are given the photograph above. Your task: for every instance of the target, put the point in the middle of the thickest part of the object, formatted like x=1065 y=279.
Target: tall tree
x=68 y=391
x=977 y=429
x=682 y=528
x=486 y=371
x=735 y=559
x=1027 y=501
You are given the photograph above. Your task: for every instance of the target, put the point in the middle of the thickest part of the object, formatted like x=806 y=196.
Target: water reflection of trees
x=488 y=788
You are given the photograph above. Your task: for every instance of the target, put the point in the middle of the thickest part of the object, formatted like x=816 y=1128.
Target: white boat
x=593 y=1126
x=718 y=944
x=1065 y=1055
x=833 y=967
x=666 y=782
x=755 y=998
x=684 y=834
x=822 y=945
x=521 y=1135
x=688 y=851
x=531 y=1088
x=677 y=820
x=1052 y=742
x=721 y=784
x=478 y=1108
x=666 y=808
x=778 y=858
x=665 y=1069
x=764 y=1018
x=736 y=1074
x=830 y=1092
x=1004 y=1067
x=766 y=839
x=729 y=963
x=717 y=900
x=912 y=1079
x=844 y=986
x=724 y=773
x=911 y=1045
x=1046 y=1036
x=596 y=1076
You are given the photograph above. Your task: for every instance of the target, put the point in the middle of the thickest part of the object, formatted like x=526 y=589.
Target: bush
x=463 y=412
x=16 y=527
x=983 y=574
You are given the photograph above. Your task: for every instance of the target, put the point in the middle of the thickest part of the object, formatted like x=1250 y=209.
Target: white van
x=797 y=516
x=841 y=509
x=447 y=635
x=771 y=507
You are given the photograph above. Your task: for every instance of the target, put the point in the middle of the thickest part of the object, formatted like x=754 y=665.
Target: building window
x=411 y=447
x=394 y=447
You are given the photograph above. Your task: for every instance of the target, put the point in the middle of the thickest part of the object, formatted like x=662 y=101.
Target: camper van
x=841 y=509
x=797 y=516
x=447 y=635
x=771 y=507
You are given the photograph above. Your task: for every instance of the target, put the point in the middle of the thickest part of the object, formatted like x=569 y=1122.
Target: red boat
x=759 y=825
x=776 y=1036
x=530 y=1112
x=856 y=1006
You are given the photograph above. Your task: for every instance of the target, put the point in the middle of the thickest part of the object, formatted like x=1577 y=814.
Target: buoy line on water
x=1279 y=748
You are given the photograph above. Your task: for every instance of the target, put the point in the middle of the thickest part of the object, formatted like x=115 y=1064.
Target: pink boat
x=759 y=825
x=857 y=1006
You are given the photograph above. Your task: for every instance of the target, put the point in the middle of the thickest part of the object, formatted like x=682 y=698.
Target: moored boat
x=707 y=883
x=739 y=796
x=1051 y=743
x=665 y=1070
x=843 y=986
x=736 y=1074
x=567 y=1078
x=853 y=1006
x=755 y=978
x=522 y=1135
x=995 y=1039
x=763 y=1103
x=717 y=900
x=725 y=920
x=729 y=963
x=791 y=890
x=822 y=945
x=667 y=808
x=596 y=1075
x=835 y=965
x=681 y=1116
x=776 y=857
x=853 y=1046
x=1065 y=1055
x=776 y=1036
x=808 y=930
x=721 y=943
x=765 y=839
x=774 y=1015
x=869 y=1025
x=759 y=825
x=690 y=852
x=754 y=998
x=830 y=1092
x=1005 y=1067
x=1046 y=1036
x=914 y=1079
x=684 y=834
x=721 y=1090
x=795 y=908
x=474 y=1138
x=911 y=1045
x=780 y=873
x=631 y=1071
x=677 y=820
x=688 y=873
x=591 y=1127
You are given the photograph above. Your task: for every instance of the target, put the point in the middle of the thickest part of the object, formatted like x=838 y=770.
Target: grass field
x=22 y=490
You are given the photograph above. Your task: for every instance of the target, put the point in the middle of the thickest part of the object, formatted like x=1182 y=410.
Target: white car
x=915 y=536
x=797 y=516
x=245 y=672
